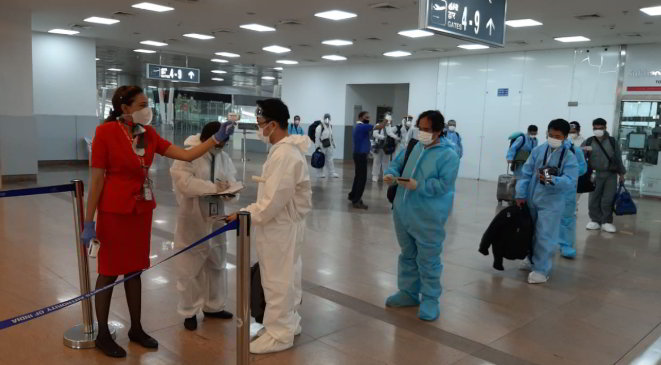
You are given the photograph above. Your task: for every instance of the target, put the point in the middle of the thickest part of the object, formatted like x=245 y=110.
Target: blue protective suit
x=420 y=217
x=455 y=138
x=526 y=144
x=547 y=202
x=568 y=223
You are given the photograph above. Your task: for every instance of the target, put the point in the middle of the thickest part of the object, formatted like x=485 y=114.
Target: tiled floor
x=602 y=308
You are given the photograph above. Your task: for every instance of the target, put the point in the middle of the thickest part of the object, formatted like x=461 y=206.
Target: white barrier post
x=243 y=290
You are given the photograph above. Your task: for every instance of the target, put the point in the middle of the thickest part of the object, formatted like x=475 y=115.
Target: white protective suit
x=381 y=160
x=201 y=272
x=322 y=132
x=405 y=137
x=278 y=218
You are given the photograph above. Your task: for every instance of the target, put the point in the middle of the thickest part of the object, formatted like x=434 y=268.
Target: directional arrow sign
x=173 y=73
x=466 y=19
x=191 y=75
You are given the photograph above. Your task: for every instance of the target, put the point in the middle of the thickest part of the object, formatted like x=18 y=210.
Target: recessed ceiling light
x=227 y=54
x=257 y=27
x=416 y=33
x=98 y=59
x=572 y=39
x=144 y=50
x=472 y=47
x=217 y=79
x=333 y=57
x=99 y=20
x=337 y=42
x=63 y=31
x=519 y=23
x=219 y=60
x=115 y=69
x=218 y=71
x=199 y=36
x=336 y=15
x=154 y=43
x=287 y=62
x=276 y=49
x=278 y=68
x=152 y=87
x=268 y=78
x=152 y=7
x=653 y=10
x=397 y=54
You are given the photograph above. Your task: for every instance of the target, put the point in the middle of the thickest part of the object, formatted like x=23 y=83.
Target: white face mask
x=389 y=118
x=425 y=138
x=452 y=128
x=599 y=133
x=142 y=116
x=408 y=124
x=573 y=135
x=262 y=137
x=554 y=143
x=533 y=136
x=326 y=121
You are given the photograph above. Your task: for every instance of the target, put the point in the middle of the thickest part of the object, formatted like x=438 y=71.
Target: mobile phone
x=403 y=179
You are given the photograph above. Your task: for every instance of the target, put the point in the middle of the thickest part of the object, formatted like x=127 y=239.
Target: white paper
x=234 y=188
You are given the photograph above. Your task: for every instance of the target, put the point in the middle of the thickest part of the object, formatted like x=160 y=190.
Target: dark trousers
x=360 y=178
x=602 y=198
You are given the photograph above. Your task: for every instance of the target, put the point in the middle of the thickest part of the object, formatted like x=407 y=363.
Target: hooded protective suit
x=420 y=217
x=201 y=272
x=568 y=222
x=278 y=217
x=325 y=131
x=547 y=202
x=524 y=143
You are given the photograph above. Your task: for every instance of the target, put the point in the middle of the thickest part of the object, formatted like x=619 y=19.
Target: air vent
x=384 y=5
x=432 y=50
x=311 y=61
x=251 y=52
x=122 y=13
x=588 y=16
x=79 y=26
x=373 y=39
x=632 y=35
x=518 y=43
x=304 y=45
x=289 y=22
x=222 y=30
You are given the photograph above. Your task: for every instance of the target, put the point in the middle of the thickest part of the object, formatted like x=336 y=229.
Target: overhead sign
x=503 y=92
x=173 y=73
x=481 y=21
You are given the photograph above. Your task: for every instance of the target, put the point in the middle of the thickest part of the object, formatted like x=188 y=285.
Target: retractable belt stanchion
x=243 y=290
x=83 y=335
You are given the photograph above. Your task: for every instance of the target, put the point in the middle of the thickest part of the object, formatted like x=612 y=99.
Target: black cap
x=274 y=109
x=575 y=125
x=327 y=116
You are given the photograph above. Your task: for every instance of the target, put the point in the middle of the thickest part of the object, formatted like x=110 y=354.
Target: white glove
x=410 y=184
x=389 y=179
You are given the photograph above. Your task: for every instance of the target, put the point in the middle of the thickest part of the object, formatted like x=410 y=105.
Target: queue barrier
x=83 y=335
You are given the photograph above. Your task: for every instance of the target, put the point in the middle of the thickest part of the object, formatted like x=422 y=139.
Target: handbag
x=318 y=159
x=326 y=142
x=585 y=183
x=392 y=190
x=257 y=298
x=624 y=204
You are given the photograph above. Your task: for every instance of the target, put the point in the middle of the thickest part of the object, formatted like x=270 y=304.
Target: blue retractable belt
x=37 y=191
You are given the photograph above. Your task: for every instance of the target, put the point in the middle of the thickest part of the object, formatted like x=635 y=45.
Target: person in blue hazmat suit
x=568 y=222
x=455 y=137
x=425 y=193
x=549 y=175
x=521 y=145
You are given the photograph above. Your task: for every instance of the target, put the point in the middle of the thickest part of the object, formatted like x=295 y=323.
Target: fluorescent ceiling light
x=98 y=59
x=336 y=15
x=217 y=79
x=519 y=23
x=578 y=38
x=115 y=69
x=397 y=54
x=472 y=47
x=287 y=62
x=416 y=33
x=333 y=57
x=154 y=43
x=276 y=49
x=63 y=31
x=144 y=50
x=99 y=20
x=257 y=27
x=218 y=72
x=153 y=87
x=653 y=11
x=227 y=54
x=268 y=78
x=278 y=68
x=152 y=7
x=218 y=60
x=199 y=36
x=337 y=42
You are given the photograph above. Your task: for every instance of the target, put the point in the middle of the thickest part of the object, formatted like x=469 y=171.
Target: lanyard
x=146 y=190
x=140 y=158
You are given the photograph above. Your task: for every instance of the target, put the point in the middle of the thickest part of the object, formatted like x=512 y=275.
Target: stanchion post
x=243 y=290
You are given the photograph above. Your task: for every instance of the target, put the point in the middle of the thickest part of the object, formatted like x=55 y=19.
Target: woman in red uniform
x=120 y=191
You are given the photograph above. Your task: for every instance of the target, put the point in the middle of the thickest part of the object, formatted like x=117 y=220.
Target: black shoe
x=143 y=339
x=191 y=323
x=109 y=347
x=221 y=314
x=360 y=205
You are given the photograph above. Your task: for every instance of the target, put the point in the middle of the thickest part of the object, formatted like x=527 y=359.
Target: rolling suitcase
x=506 y=187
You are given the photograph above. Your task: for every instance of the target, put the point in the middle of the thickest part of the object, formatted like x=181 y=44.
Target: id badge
x=213 y=209
x=147 y=192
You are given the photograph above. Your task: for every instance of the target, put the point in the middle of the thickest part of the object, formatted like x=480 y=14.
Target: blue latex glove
x=226 y=130
x=89 y=233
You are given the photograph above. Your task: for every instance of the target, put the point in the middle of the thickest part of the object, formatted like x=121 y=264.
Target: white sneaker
x=593 y=226
x=526 y=265
x=375 y=179
x=609 y=228
x=336 y=176
x=262 y=331
x=322 y=176
x=537 y=278
x=266 y=344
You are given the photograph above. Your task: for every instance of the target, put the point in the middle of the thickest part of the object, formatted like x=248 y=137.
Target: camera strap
x=562 y=156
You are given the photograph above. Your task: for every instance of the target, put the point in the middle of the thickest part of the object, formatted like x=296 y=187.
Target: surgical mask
x=326 y=120
x=408 y=124
x=297 y=122
x=599 y=133
x=532 y=136
x=425 y=138
x=389 y=118
x=142 y=116
x=573 y=135
x=452 y=128
x=554 y=143
x=262 y=137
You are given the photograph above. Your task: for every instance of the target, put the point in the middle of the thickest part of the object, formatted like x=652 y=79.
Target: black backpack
x=312 y=131
x=390 y=145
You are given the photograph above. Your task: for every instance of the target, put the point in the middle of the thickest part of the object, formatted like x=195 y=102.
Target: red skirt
x=125 y=242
